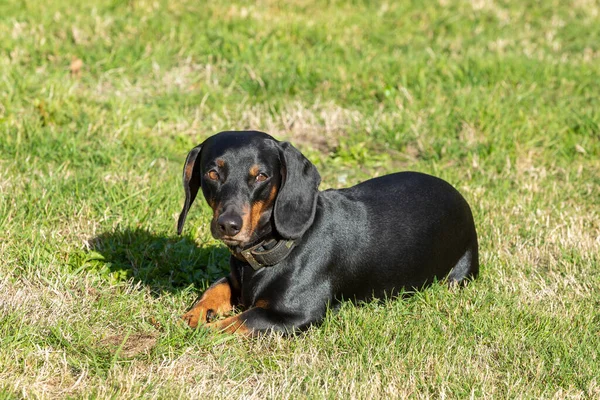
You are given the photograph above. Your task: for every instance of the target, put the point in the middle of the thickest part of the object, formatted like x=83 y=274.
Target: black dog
x=296 y=251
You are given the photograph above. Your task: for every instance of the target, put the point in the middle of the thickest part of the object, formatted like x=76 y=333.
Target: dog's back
x=399 y=231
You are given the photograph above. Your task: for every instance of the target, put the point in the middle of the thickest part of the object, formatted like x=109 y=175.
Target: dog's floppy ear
x=191 y=183
x=296 y=202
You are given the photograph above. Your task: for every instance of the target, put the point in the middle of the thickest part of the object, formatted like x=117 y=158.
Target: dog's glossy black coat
x=373 y=240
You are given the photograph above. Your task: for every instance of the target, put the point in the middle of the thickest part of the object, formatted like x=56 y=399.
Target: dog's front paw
x=191 y=318
x=214 y=302
x=198 y=315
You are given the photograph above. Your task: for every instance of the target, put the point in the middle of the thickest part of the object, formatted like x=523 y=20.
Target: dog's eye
x=213 y=175
x=261 y=177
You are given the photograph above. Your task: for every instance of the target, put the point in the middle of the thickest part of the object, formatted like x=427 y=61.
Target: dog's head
x=254 y=184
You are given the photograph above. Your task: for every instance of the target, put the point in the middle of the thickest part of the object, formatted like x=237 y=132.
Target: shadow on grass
x=164 y=263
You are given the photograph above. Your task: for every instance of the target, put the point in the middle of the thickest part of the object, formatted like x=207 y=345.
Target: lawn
x=101 y=101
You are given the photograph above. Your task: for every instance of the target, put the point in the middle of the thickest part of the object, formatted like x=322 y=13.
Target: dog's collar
x=267 y=253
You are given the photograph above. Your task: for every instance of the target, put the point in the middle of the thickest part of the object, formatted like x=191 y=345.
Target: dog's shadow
x=163 y=263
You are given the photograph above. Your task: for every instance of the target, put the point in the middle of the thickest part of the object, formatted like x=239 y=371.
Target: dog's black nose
x=229 y=224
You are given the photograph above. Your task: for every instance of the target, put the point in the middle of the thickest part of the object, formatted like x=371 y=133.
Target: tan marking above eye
x=254 y=170
x=213 y=175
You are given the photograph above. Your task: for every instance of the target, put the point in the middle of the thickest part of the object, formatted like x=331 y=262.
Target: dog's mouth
x=239 y=244
x=231 y=242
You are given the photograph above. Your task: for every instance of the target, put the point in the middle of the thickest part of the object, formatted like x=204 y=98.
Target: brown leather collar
x=267 y=253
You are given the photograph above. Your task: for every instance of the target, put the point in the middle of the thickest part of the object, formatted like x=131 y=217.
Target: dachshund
x=297 y=251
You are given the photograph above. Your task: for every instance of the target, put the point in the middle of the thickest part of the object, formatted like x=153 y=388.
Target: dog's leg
x=253 y=322
x=235 y=324
x=218 y=299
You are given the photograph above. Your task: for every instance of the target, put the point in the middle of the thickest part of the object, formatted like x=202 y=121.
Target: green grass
x=499 y=98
